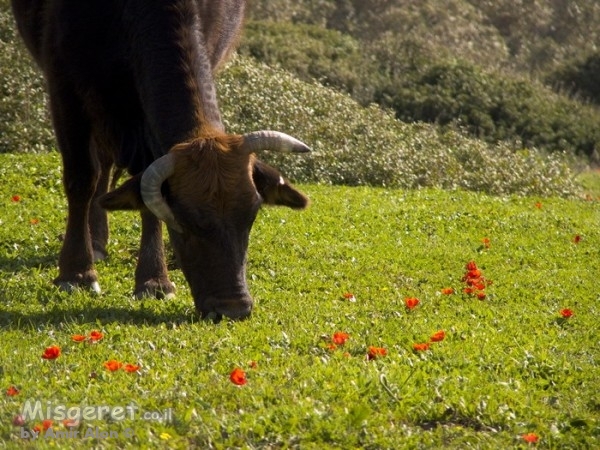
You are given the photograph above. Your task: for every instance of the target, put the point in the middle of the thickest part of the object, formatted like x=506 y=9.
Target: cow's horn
x=150 y=189
x=274 y=141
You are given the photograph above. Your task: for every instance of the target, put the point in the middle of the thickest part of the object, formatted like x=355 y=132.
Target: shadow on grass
x=11 y=265
x=16 y=320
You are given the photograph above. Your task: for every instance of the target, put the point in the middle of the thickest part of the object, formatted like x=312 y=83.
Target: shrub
x=353 y=145
x=496 y=107
x=579 y=78
x=367 y=146
x=423 y=83
x=24 y=123
x=311 y=52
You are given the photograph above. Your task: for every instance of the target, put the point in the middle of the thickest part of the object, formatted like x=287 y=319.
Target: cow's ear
x=274 y=189
x=125 y=197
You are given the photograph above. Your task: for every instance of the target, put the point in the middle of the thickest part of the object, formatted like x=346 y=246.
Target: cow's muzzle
x=214 y=308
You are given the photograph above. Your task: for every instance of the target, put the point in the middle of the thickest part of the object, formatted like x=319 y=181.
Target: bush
x=495 y=107
x=579 y=78
x=421 y=83
x=353 y=145
x=311 y=52
x=24 y=120
x=368 y=146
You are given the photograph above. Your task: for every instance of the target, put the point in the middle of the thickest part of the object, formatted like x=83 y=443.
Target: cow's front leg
x=80 y=176
x=151 y=277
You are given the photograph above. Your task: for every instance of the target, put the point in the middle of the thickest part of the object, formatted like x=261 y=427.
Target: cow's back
x=96 y=26
x=124 y=59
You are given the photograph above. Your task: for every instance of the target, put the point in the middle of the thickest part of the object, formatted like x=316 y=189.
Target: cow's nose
x=232 y=308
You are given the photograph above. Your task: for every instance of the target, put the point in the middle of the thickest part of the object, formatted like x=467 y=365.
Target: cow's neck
x=174 y=76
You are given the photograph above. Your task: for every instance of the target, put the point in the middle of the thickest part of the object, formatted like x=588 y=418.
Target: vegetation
x=460 y=64
x=356 y=146
x=353 y=145
x=421 y=83
x=24 y=119
x=515 y=357
x=510 y=365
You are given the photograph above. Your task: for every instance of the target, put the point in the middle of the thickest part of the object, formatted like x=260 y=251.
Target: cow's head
x=208 y=191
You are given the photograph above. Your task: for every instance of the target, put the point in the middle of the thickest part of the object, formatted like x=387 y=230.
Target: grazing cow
x=131 y=85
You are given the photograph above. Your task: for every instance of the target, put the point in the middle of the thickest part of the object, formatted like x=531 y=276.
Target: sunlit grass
x=508 y=365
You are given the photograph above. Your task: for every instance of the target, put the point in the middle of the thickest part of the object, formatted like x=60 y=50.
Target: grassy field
x=509 y=365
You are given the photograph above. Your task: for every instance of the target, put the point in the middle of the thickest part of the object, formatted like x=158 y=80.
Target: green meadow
x=509 y=365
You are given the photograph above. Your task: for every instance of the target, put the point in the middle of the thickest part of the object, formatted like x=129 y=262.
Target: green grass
x=509 y=365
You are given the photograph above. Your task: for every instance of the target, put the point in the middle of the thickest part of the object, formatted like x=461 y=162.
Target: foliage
x=528 y=36
x=420 y=84
x=312 y=53
x=496 y=107
x=579 y=78
x=24 y=124
x=357 y=146
x=507 y=366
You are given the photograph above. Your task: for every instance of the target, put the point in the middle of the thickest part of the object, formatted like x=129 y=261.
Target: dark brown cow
x=131 y=85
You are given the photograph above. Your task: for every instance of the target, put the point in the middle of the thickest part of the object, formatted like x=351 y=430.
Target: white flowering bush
x=353 y=145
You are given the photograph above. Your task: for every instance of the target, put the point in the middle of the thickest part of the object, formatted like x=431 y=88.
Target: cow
x=131 y=86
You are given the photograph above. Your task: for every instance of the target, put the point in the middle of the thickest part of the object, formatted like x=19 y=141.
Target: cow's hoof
x=69 y=286
x=155 y=289
x=100 y=255
x=212 y=316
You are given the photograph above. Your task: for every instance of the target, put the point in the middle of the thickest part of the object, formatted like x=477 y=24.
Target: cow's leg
x=98 y=217
x=151 y=277
x=80 y=176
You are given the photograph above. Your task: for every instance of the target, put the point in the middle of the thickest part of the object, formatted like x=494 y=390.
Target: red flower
x=350 y=297
x=340 y=338
x=375 y=352
x=15 y=198
x=238 y=377
x=411 y=302
x=51 y=352
x=34 y=221
x=96 y=336
x=486 y=242
x=474 y=274
x=576 y=239
x=43 y=426
x=421 y=347
x=12 y=391
x=447 y=291
x=566 y=313
x=438 y=336
x=70 y=423
x=531 y=438
x=538 y=205
x=113 y=365
x=78 y=338
x=131 y=368
x=475 y=281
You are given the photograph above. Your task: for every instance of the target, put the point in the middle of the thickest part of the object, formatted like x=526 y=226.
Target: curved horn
x=151 y=182
x=274 y=141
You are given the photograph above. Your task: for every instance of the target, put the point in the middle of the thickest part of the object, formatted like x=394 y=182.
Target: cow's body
x=128 y=81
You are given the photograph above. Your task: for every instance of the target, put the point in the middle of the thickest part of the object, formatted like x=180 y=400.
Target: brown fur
x=212 y=171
